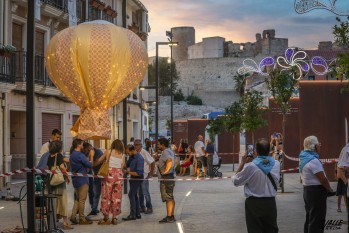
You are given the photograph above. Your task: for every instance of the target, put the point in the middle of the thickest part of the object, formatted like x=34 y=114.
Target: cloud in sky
x=240 y=20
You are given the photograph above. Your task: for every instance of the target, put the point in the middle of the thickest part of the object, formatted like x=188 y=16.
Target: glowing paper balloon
x=96 y=65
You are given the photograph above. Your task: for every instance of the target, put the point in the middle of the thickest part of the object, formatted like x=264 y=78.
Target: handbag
x=103 y=171
x=215 y=160
x=56 y=179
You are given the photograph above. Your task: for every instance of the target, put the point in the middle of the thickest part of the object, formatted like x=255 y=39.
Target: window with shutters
x=39 y=43
x=17 y=41
x=17 y=36
x=50 y=122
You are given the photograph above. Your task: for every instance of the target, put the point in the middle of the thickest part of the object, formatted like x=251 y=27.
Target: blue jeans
x=144 y=193
x=135 y=185
x=94 y=193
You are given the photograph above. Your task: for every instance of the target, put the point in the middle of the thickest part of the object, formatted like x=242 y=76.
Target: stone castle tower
x=185 y=36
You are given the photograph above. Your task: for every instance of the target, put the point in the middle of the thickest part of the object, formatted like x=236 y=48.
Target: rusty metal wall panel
x=292 y=143
x=196 y=127
x=322 y=114
x=180 y=131
x=229 y=143
x=274 y=124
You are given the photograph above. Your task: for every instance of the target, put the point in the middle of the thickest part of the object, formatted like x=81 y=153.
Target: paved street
x=212 y=206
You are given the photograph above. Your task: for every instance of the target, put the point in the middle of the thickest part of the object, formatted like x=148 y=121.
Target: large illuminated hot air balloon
x=96 y=65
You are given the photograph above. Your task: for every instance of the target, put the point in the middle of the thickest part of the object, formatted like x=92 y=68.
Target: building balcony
x=54 y=8
x=43 y=84
x=7 y=72
x=7 y=68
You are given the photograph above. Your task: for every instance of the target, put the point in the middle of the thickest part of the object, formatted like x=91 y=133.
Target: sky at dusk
x=240 y=20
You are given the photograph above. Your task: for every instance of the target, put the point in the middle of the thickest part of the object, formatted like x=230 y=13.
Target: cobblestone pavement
x=201 y=206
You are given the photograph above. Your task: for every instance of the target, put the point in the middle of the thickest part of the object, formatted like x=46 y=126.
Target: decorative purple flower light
x=294 y=59
x=249 y=65
x=317 y=62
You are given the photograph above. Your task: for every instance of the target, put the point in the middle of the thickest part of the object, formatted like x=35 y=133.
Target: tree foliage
x=240 y=83
x=168 y=124
x=246 y=114
x=178 y=95
x=194 y=100
x=164 y=76
x=341 y=32
x=253 y=110
x=234 y=117
x=282 y=86
x=341 y=35
x=215 y=127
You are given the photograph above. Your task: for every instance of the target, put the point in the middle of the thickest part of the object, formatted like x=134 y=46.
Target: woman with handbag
x=57 y=184
x=114 y=162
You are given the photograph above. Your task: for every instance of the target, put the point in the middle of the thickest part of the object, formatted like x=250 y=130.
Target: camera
x=250 y=149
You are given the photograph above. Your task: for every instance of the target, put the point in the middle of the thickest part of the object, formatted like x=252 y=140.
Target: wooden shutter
x=17 y=36
x=49 y=123
x=39 y=43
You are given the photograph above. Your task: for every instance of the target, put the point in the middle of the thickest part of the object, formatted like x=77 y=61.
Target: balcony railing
x=8 y=69
x=59 y=4
x=41 y=76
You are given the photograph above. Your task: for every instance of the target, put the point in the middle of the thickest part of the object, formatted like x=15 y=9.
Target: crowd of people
x=259 y=174
x=135 y=160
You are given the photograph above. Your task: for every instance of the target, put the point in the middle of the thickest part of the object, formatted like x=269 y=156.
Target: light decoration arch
x=292 y=59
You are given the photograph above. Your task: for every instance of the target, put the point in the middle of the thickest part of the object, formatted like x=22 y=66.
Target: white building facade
x=52 y=108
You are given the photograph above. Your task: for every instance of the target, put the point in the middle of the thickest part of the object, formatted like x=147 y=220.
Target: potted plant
x=94 y=3
x=101 y=5
x=7 y=50
x=108 y=10
x=114 y=14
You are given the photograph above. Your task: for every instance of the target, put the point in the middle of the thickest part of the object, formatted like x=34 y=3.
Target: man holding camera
x=259 y=178
x=276 y=146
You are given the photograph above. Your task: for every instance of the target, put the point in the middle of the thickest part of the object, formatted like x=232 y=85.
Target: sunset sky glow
x=239 y=21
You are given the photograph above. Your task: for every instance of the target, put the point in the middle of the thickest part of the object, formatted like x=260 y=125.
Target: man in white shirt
x=343 y=165
x=149 y=164
x=44 y=151
x=259 y=178
x=201 y=160
x=55 y=136
x=316 y=187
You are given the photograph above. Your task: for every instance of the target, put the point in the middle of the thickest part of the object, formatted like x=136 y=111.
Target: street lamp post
x=30 y=134
x=169 y=34
x=124 y=102
x=157 y=87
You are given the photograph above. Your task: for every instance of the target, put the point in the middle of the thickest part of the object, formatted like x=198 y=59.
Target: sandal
x=104 y=222
x=67 y=227
x=114 y=221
